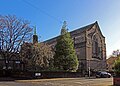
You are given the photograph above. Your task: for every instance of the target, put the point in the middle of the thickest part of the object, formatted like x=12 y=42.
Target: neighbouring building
x=110 y=63
x=90 y=47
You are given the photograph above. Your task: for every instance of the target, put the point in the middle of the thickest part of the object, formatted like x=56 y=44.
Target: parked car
x=103 y=74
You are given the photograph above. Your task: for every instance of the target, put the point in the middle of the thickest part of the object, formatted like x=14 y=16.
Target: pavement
x=84 y=81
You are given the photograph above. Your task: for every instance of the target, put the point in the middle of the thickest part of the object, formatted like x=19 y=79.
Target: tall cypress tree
x=65 y=58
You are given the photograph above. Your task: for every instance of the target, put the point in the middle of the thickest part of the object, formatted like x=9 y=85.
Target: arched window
x=96 y=47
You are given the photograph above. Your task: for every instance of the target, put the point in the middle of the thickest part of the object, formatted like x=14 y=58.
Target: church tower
x=35 y=37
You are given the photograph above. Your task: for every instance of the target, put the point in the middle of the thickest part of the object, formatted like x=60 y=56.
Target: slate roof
x=87 y=27
x=84 y=28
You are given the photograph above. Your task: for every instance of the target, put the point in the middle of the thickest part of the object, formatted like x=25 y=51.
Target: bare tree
x=42 y=55
x=37 y=56
x=13 y=32
x=116 y=53
x=26 y=54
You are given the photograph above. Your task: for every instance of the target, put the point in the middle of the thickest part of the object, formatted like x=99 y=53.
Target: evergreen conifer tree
x=65 y=58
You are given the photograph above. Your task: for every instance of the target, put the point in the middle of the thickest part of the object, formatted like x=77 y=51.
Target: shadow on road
x=6 y=79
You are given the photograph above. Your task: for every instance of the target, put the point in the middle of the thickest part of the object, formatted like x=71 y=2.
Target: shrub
x=117 y=67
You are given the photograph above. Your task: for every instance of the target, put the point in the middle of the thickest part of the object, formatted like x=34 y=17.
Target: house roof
x=111 y=60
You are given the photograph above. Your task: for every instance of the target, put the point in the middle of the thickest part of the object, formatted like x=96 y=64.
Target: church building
x=90 y=47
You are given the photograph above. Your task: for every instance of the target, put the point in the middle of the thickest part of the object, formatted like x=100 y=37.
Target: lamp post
x=89 y=71
x=89 y=68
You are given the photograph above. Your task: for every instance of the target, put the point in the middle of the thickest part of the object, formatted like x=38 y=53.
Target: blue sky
x=48 y=16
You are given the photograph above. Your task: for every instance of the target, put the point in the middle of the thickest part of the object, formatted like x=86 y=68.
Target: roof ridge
x=85 y=27
x=81 y=28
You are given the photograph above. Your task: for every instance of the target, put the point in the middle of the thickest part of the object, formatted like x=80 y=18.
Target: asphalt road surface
x=60 y=82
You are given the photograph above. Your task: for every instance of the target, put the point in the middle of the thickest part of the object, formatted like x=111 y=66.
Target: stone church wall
x=85 y=41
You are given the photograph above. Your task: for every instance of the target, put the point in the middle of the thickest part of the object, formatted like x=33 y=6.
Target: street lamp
x=89 y=68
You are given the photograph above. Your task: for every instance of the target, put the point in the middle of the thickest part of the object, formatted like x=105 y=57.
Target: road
x=60 y=82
